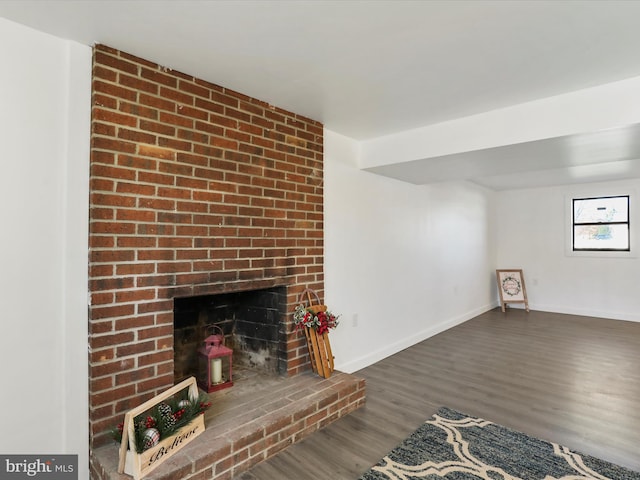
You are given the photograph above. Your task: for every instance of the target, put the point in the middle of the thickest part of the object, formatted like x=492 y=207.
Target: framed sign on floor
x=511 y=288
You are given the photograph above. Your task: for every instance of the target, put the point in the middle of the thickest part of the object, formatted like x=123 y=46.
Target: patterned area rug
x=453 y=445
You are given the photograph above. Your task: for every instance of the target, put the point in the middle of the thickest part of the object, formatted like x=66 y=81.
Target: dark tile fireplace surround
x=206 y=206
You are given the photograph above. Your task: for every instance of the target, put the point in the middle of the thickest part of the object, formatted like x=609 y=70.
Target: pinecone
x=164 y=409
x=167 y=420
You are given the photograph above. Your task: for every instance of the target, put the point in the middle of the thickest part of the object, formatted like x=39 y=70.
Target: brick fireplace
x=196 y=190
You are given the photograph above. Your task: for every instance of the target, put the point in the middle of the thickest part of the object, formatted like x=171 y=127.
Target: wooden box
x=140 y=464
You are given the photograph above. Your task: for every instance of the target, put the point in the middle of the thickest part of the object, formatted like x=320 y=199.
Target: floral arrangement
x=309 y=317
x=163 y=420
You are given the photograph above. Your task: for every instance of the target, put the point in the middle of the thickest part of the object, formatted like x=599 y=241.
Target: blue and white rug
x=453 y=445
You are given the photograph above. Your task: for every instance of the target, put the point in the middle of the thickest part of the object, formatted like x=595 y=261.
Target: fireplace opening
x=253 y=326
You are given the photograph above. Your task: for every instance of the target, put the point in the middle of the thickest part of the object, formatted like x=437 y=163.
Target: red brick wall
x=195 y=189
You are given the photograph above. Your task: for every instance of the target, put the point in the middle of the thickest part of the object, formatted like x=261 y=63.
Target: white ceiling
x=371 y=68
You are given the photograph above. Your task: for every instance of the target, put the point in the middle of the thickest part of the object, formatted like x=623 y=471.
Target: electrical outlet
x=354 y=320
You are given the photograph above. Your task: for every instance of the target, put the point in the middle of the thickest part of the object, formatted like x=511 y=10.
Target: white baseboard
x=586 y=312
x=390 y=349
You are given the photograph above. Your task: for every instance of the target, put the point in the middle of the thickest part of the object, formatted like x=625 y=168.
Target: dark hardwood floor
x=563 y=378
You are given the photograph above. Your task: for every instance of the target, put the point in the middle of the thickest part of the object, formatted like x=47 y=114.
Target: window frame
x=601 y=190
x=574 y=224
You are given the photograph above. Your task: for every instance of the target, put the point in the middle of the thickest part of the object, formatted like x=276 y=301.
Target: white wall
x=402 y=262
x=45 y=127
x=533 y=233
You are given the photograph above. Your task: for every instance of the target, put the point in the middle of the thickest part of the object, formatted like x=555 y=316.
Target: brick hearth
x=249 y=424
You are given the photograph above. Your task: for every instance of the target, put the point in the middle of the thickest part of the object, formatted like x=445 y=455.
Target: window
x=601 y=224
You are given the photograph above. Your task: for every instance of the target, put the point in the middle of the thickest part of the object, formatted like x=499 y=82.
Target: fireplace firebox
x=252 y=323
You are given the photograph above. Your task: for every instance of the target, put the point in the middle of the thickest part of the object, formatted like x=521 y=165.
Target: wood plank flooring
x=563 y=378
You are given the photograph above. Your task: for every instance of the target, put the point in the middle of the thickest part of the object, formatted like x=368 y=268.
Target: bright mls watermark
x=51 y=467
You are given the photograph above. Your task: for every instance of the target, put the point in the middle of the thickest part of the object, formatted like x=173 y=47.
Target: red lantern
x=215 y=362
